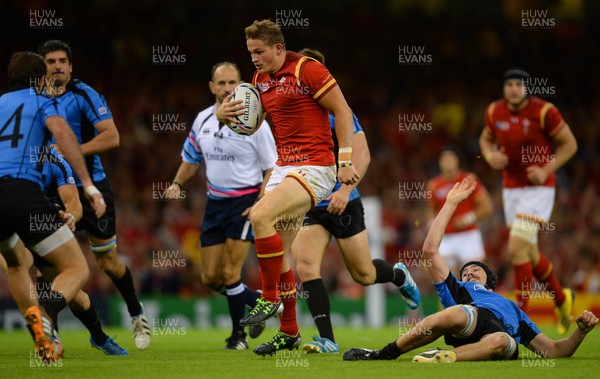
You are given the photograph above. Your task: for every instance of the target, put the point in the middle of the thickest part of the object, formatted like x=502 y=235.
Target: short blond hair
x=266 y=31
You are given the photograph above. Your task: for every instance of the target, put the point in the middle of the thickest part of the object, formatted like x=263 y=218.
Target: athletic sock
x=384 y=272
x=53 y=303
x=221 y=290
x=251 y=296
x=89 y=318
x=318 y=304
x=544 y=272
x=287 y=319
x=390 y=351
x=236 y=300
x=523 y=281
x=125 y=286
x=269 y=251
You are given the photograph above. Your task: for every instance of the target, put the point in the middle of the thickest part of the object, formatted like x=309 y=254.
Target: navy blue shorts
x=223 y=219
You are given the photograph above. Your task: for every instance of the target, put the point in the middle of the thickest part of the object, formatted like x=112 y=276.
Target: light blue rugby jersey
x=85 y=108
x=23 y=132
x=518 y=325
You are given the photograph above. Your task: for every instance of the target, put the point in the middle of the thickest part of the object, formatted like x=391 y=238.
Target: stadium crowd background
x=469 y=45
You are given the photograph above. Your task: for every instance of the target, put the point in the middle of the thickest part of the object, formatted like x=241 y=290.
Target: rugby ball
x=252 y=109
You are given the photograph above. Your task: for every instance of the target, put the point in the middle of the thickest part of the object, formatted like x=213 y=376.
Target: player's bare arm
x=566 y=147
x=73 y=209
x=335 y=103
x=184 y=173
x=361 y=157
x=549 y=348
x=438 y=269
x=69 y=147
x=107 y=138
x=494 y=157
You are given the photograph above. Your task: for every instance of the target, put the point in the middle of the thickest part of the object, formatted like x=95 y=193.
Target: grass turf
x=194 y=353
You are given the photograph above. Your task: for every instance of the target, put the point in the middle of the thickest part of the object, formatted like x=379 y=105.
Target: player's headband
x=491 y=277
x=515 y=73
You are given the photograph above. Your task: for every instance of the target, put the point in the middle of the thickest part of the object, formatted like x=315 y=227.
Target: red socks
x=523 y=283
x=269 y=251
x=287 y=319
x=275 y=284
x=544 y=272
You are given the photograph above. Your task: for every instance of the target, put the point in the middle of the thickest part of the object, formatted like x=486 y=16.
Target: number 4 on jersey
x=15 y=136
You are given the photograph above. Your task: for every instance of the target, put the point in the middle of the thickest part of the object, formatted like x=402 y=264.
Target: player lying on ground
x=478 y=323
x=341 y=214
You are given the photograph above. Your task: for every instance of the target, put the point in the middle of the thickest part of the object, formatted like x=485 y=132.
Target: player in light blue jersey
x=479 y=323
x=341 y=215
x=236 y=166
x=93 y=124
x=27 y=218
x=58 y=183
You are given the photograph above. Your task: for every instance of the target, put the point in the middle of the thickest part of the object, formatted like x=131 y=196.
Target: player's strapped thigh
x=317 y=181
x=105 y=226
x=105 y=247
x=471 y=321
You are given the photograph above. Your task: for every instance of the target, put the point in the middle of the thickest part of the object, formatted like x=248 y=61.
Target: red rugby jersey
x=440 y=186
x=300 y=125
x=526 y=137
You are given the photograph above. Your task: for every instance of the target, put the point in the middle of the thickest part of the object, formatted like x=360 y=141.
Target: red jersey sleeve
x=315 y=77
x=551 y=120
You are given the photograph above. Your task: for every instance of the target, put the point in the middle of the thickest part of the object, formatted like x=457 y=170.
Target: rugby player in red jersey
x=298 y=93
x=527 y=138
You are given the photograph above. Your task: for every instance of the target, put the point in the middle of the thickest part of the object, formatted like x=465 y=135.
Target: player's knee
x=307 y=270
x=261 y=217
x=81 y=302
x=106 y=262
x=363 y=277
x=502 y=345
x=212 y=280
x=498 y=342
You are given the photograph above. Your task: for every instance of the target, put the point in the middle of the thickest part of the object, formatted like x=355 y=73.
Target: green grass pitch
x=198 y=353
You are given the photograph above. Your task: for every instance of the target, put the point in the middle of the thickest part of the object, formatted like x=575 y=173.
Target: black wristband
x=177 y=184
